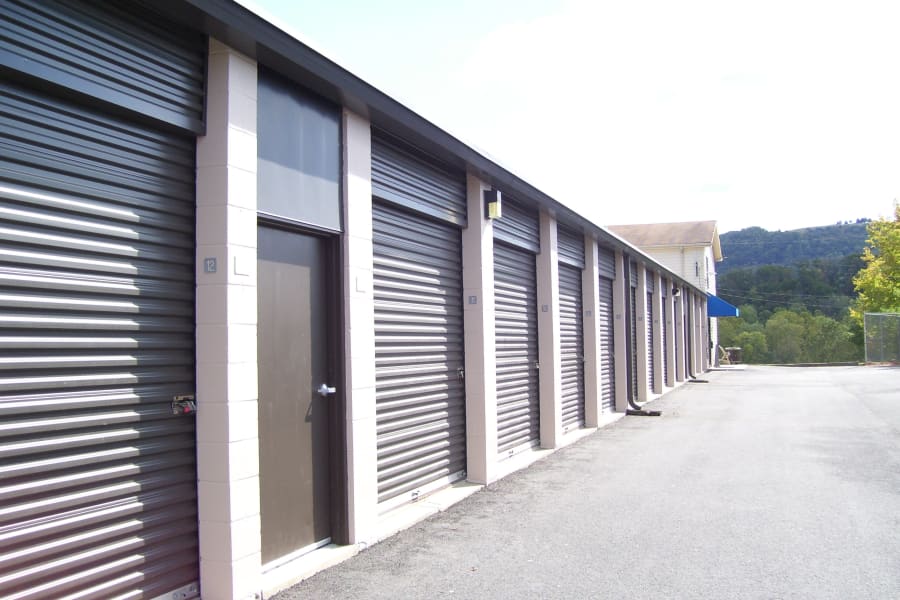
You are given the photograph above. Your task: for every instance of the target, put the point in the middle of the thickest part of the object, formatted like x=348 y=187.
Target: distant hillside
x=755 y=246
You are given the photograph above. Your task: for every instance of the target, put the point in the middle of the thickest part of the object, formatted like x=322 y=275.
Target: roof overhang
x=249 y=33
x=717 y=245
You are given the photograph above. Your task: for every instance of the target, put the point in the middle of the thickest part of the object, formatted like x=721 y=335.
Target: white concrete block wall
x=227 y=394
x=621 y=290
x=359 y=327
x=548 y=334
x=480 y=341
x=590 y=285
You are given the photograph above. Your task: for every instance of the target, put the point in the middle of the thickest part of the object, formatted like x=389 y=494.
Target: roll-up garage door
x=570 y=246
x=650 y=281
x=651 y=358
x=676 y=323
x=632 y=330
x=420 y=393
x=407 y=177
x=98 y=477
x=419 y=207
x=607 y=346
x=664 y=333
x=519 y=227
x=606 y=264
x=516 y=241
x=689 y=334
x=634 y=381
x=515 y=301
x=571 y=339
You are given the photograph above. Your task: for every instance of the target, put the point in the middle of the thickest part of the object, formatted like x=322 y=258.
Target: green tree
x=748 y=314
x=784 y=336
x=878 y=283
x=827 y=340
x=754 y=345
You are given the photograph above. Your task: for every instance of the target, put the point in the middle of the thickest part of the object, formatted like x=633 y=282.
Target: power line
x=809 y=241
x=789 y=294
x=783 y=302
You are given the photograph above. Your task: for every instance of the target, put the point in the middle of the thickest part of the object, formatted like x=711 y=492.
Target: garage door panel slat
x=572 y=345
x=516 y=338
x=607 y=346
x=419 y=356
x=97 y=476
x=651 y=357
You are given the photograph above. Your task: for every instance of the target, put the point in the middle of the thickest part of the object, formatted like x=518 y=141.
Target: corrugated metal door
x=515 y=302
x=651 y=358
x=520 y=225
x=665 y=334
x=420 y=393
x=633 y=376
x=407 y=177
x=571 y=339
x=607 y=346
x=120 y=53
x=98 y=478
x=675 y=323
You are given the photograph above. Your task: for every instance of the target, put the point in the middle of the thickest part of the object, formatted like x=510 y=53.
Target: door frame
x=337 y=417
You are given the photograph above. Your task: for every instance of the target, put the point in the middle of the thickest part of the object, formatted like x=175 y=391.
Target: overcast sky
x=782 y=114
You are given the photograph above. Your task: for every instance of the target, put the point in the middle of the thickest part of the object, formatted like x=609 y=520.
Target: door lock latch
x=184 y=404
x=325 y=391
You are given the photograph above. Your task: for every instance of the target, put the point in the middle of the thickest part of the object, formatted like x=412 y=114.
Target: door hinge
x=461 y=373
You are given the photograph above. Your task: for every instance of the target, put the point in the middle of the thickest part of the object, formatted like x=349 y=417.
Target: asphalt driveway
x=773 y=482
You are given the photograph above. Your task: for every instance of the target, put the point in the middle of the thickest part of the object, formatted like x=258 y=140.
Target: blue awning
x=716 y=307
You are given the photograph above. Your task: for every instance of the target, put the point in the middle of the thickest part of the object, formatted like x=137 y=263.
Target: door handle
x=326 y=391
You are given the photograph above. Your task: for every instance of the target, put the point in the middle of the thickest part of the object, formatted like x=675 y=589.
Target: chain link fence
x=882 y=332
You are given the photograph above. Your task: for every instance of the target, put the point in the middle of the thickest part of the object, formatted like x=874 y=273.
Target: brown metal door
x=293 y=341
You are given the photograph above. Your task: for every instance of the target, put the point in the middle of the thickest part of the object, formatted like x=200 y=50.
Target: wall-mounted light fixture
x=676 y=291
x=493 y=200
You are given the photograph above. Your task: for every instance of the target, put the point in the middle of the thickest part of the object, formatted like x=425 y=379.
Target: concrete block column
x=657 y=315
x=671 y=332
x=643 y=364
x=227 y=392
x=621 y=289
x=480 y=342
x=359 y=327
x=548 y=334
x=680 y=323
x=590 y=285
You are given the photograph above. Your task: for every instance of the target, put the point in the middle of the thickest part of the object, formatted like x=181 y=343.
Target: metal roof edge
x=248 y=32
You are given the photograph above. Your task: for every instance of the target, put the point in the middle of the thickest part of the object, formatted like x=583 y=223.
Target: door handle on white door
x=326 y=391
